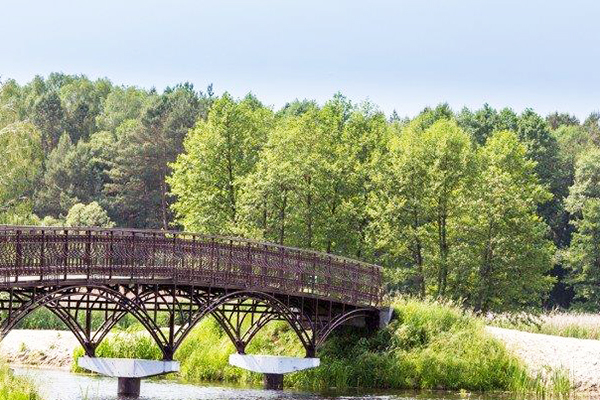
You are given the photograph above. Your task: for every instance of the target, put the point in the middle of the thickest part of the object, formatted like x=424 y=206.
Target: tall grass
x=430 y=345
x=574 y=324
x=15 y=388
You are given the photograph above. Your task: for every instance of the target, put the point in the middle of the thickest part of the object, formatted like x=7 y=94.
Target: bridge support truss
x=169 y=312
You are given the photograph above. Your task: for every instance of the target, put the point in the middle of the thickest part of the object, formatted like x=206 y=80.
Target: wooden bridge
x=91 y=278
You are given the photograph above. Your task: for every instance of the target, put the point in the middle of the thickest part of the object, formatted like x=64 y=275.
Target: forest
x=494 y=209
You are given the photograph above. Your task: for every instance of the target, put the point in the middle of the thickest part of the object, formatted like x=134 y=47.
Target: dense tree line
x=494 y=209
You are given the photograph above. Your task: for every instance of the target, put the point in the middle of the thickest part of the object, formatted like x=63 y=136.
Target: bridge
x=91 y=278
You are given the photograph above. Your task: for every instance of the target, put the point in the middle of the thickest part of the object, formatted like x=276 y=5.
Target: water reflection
x=63 y=385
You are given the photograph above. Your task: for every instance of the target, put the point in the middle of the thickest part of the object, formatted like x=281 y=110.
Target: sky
x=401 y=55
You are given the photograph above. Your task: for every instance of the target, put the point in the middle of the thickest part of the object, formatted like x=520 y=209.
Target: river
x=64 y=385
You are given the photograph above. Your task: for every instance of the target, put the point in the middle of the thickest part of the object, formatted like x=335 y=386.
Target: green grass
x=574 y=324
x=15 y=388
x=430 y=345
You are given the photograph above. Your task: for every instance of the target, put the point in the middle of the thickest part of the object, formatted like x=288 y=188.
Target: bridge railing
x=60 y=254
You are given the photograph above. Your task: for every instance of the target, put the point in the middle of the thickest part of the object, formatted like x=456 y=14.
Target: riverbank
x=429 y=345
x=39 y=348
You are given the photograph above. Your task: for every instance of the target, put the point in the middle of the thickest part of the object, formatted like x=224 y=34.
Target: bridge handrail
x=199 y=258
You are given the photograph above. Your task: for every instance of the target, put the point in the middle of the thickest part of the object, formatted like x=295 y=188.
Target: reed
x=15 y=388
x=574 y=324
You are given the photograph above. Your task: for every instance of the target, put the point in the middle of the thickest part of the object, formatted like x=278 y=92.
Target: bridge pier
x=129 y=387
x=128 y=371
x=272 y=367
x=273 y=381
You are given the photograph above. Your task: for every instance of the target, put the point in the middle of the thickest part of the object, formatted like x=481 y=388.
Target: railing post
x=280 y=272
x=248 y=268
x=18 y=256
x=66 y=254
x=132 y=258
x=42 y=254
x=88 y=253
x=111 y=255
x=153 y=262
x=175 y=266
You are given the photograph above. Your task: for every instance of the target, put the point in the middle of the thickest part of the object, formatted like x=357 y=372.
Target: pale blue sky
x=401 y=55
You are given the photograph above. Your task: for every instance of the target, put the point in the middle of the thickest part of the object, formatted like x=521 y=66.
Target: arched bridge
x=91 y=278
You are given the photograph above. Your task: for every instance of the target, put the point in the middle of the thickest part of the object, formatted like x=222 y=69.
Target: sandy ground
x=579 y=357
x=44 y=349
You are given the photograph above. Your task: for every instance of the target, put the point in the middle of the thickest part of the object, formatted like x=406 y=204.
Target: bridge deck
x=30 y=255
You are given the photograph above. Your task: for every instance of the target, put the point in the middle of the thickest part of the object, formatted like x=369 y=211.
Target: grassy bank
x=429 y=345
x=574 y=324
x=15 y=388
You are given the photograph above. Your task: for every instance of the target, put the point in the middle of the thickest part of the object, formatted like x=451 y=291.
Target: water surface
x=64 y=385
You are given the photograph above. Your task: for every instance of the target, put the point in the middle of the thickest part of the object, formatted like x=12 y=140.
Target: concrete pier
x=273 y=381
x=129 y=387
x=129 y=371
x=273 y=367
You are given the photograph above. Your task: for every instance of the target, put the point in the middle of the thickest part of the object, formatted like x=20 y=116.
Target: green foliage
x=137 y=194
x=421 y=192
x=15 y=388
x=88 y=215
x=503 y=238
x=310 y=186
x=485 y=121
x=20 y=169
x=121 y=104
x=75 y=173
x=219 y=153
x=583 y=256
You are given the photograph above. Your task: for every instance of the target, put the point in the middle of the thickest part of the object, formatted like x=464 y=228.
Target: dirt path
x=579 y=357
x=46 y=349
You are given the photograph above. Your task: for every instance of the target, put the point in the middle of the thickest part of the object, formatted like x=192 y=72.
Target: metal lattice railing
x=49 y=254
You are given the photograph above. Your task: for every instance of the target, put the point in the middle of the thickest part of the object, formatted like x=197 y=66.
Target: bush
x=15 y=388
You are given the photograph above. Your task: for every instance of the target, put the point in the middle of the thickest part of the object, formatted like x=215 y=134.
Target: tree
x=556 y=120
x=88 y=215
x=419 y=197
x=20 y=169
x=137 y=193
x=296 y=108
x=583 y=256
x=543 y=148
x=219 y=153
x=485 y=121
x=82 y=100
x=75 y=174
x=310 y=185
x=121 y=104
x=54 y=197
x=592 y=127
x=282 y=197
x=503 y=250
x=11 y=108
x=48 y=116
